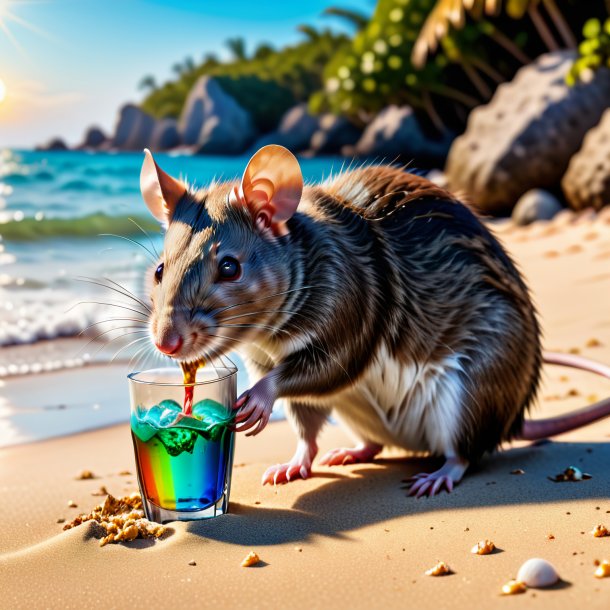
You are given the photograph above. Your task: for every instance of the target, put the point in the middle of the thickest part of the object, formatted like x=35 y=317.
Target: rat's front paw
x=255 y=406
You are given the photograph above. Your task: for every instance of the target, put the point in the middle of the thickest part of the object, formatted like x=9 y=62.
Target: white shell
x=537 y=573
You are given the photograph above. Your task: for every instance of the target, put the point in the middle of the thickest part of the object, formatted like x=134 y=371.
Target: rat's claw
x=283 y=473
x=432 y=483
x=254 y=416
x=365 y=452
x=262 y=423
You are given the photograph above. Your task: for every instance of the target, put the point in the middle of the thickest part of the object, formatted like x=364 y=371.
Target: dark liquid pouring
x=189 y=375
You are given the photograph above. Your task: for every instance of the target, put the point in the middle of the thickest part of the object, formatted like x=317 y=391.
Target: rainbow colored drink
x=183 y=461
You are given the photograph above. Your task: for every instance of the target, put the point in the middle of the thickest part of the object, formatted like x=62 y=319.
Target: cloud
x=36 y=94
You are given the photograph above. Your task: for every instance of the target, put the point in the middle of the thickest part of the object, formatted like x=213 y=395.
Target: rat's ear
x=160 y=191
x=271 y=188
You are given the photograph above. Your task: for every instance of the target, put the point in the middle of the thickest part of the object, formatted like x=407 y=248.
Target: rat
x=376 y=296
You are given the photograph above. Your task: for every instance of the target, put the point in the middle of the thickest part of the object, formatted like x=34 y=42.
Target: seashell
x=537 y=573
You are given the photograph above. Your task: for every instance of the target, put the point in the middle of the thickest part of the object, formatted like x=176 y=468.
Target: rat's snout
x=169 y=342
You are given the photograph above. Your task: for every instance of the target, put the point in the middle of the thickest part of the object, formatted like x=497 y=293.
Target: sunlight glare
x=2 y=90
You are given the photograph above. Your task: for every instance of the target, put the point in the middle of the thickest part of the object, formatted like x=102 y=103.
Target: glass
x=184 y=462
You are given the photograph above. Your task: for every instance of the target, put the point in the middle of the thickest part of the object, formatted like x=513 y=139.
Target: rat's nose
x=169 y=343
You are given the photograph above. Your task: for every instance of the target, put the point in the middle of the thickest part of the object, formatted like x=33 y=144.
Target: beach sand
x=349 y=536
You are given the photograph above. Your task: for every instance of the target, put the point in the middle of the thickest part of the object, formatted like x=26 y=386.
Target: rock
x=213 y=122
x=94 y=138
x=524 y=138
x=294 y=131
x=333 y=133
x=55 y=144
x=536 y=204
x=396 y=133
x=133 y=130
x=586 y=183
x=165 y=135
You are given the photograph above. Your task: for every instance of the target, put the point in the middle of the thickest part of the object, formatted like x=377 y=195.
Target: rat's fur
x=387 y=301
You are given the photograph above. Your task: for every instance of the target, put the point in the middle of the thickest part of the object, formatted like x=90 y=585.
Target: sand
x=349 y=536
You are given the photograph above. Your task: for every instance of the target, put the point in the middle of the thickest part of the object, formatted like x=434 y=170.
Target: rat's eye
x=229 y=268
x=159 y=273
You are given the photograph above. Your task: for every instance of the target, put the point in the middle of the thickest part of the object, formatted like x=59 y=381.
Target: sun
x=2 y=91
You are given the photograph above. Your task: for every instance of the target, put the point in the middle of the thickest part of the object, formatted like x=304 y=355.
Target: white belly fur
x=416 y=407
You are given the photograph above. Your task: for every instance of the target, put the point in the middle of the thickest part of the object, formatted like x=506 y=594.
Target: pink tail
x=542 y=428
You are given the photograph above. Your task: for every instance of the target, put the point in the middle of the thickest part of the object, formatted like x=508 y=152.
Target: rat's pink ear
x=271 y=187
x=160 y=191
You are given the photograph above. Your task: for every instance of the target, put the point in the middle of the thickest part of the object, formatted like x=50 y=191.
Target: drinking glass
x=184 y=462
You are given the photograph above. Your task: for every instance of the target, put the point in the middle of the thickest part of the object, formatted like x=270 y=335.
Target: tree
x=354 y=18
x=452 y=13
x=310 y=32
x=237 y=46
x=148 y=83
x=263 y=51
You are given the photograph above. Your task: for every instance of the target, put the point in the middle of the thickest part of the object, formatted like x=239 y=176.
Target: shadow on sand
x=374 y=495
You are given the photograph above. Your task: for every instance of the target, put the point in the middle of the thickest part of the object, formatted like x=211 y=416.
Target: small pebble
x=513 y=587
x=594 y=343
x=483 y=547
x=192 y=562
x=124 y=473
x=550 y=537
x=72 y=504
x=61 y=520
x=84 y=475
x=517 y=471
x=251 y=559
x=603 y=569
x=600 y=531
x=440 y=569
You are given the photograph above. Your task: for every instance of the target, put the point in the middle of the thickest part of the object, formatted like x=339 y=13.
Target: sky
x=69 y=64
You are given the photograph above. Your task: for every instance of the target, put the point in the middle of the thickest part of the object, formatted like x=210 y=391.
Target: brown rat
x=375 y=295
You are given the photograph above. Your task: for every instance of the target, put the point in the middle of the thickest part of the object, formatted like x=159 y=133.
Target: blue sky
x=68 y=64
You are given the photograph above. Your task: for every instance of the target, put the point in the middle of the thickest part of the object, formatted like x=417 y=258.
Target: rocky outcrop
x=586 y=183
x=536 y=204
x=524 y=138
x=55 y=144
x=294 y=130
x=333 y=133
x=133 y=130
x=94 y=138
x=395 y=133
x=164 y=135
x=213 y=122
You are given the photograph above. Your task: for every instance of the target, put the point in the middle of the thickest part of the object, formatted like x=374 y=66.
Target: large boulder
x=524 y=138
x=396 y=133
x=54 y=144
x=165 y=135
x=586 y=183
x=213 y=122
x=294 y=131
x=134 y=129
x=333 y=133
x=94 y=138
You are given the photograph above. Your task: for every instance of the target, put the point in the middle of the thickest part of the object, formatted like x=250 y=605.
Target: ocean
x=68 y=219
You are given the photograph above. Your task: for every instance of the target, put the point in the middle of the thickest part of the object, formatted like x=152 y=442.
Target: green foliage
x=593 y=51
x=266 y=85
x=377 y=69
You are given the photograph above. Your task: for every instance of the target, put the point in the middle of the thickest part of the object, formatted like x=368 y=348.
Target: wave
x=31 y=229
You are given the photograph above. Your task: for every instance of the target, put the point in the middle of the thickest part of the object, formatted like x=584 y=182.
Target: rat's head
x=223 y=272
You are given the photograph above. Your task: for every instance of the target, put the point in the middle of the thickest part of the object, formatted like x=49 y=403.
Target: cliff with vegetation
x=420 y=80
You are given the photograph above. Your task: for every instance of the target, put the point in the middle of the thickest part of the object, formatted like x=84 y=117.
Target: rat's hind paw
x=284 y=473
x=431 y=483
x=362 y=453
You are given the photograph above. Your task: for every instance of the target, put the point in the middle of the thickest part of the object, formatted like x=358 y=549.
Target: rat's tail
x=541 y=428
